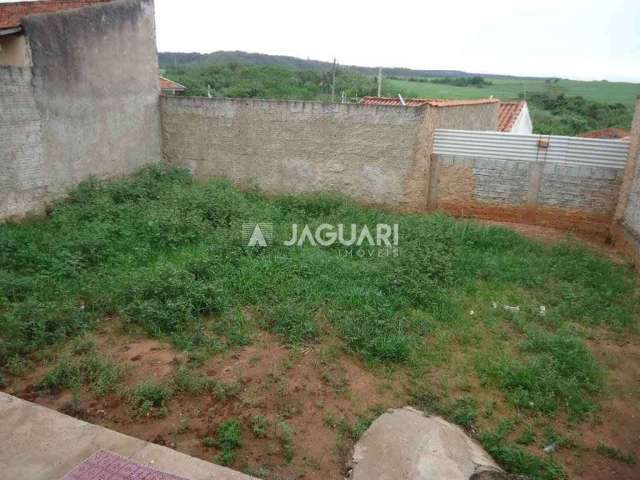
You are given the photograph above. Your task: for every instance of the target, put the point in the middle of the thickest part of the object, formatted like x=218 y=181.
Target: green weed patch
x=164 y=254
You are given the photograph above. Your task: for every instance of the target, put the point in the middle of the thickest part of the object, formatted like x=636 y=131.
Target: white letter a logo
x=257 y=238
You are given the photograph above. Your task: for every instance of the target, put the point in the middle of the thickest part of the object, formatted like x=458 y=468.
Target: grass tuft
x=228 y=440
x=149 y=397
x=616 y=454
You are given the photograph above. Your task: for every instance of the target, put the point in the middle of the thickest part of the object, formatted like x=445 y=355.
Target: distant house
x=613 y=133
x=13 y=44
x=169 y=87
x=513 y=117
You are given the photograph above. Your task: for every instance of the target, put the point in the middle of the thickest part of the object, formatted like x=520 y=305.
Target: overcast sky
x=581 y=39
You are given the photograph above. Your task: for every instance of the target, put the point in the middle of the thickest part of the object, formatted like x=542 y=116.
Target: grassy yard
x=523 y=344
x=604 y=92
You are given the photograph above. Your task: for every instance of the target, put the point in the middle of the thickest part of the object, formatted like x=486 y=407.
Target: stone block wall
x=592 y=189
x=558 y=195
x=501 y=181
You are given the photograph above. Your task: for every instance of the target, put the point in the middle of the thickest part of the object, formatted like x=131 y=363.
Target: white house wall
x=523 y=123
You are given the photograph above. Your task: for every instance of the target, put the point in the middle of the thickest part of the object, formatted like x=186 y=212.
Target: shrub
x=36 y=324
x=259 y=426
x=149 y=395
x=100 y=374
x=167 y=299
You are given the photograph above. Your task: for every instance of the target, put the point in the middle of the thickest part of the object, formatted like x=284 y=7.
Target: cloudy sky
x=581 y=39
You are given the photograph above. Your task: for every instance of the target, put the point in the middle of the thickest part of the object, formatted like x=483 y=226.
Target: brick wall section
x=370 y=153
x=592 y=189
x=501 y=181
x=88 y=107
x=557 y=195
x=12 y=13
x=21 y=152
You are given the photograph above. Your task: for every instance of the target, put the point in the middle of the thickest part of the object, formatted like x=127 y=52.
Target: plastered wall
x=626 y=224
x=370 y=153
x=22 y=166
x=89 y=106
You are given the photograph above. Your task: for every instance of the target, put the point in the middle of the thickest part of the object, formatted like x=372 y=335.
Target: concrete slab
x=37 y=443
x=404 y=444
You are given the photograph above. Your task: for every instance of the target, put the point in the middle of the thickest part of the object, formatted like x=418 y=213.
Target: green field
x=602 y=91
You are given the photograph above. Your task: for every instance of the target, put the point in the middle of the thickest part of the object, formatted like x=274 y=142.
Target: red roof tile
x=412 y=102
x=508 y=114
x=418 y=102
x=12 y=13
x=166 y=84
x=606 y=133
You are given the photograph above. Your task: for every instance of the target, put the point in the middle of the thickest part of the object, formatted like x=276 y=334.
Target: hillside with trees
x=561 y=107
x=175 y=59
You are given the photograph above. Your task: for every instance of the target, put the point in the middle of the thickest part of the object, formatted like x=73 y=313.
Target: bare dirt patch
x=617 y=423
x=309 y=389
x=320 y=391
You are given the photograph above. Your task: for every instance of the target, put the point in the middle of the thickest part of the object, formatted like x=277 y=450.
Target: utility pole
x=333 y=83
x=379 y=82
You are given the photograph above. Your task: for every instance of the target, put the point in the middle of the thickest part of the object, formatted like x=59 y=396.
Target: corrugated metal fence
x=534 y=148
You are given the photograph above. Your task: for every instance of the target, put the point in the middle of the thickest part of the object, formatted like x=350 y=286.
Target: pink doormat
x=109 y=466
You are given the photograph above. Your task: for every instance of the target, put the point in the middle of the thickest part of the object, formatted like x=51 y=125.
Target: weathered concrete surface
x=41 y=444
x=22 y=188
x=404 y=444
x=365 y=152
x=626 y=224
x=13 y=50
x=94 y=90
x=482 y=116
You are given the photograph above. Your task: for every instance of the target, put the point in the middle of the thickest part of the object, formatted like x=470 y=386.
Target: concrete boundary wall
x=383 y=155
x=626 y=223
x=89 y=106
x=581 y=198
x=22 y=184
x=564 y=182
x=374 y=154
